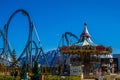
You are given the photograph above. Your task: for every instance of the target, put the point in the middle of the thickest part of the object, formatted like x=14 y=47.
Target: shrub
x=117 y=78
x=6 y=78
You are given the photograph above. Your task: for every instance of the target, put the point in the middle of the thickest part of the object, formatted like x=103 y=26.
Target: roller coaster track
x=7 y=26
x=65 y=36
x=30 y=42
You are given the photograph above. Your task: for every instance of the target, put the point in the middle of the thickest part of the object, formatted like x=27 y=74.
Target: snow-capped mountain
x=53 y=57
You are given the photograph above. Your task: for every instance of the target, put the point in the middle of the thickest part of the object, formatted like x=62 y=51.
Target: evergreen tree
x=23 y=73
x=13 y=58
x=36 y=71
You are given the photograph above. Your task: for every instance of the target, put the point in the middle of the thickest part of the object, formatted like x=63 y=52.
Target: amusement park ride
x=83 y=52
x=29 y=47
x=80 y=52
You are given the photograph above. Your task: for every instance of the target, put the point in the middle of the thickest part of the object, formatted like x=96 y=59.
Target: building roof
x=85 y=38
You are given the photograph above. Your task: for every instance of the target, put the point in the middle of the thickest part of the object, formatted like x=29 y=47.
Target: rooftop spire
x=85 y=33
x=85 y=38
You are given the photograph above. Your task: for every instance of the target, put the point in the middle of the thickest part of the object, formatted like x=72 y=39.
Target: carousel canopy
x=86 y=45
x=85 y=38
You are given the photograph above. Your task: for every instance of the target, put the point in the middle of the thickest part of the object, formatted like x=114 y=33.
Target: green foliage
x=23 y=71
x=36 y=70
x=14 y=58
x=7 y=77
x=53 y=77
x=117 y=78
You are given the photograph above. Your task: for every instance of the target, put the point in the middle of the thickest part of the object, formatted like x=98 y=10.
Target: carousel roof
x=86 y=45
x=85 y=38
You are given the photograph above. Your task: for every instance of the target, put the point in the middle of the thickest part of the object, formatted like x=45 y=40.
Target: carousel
x=83 y=55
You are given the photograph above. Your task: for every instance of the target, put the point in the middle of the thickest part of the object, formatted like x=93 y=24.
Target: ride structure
x=76 y=52
x=31 y=44
x=83 y=52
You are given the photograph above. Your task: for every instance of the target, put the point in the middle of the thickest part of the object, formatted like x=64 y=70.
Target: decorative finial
x=85 y=24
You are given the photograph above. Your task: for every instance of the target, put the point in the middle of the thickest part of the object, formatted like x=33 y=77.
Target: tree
x=14 y=58
x=23 y=73
x=36 y=71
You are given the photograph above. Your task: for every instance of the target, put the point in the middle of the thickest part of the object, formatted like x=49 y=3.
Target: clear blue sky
x=54 y=17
